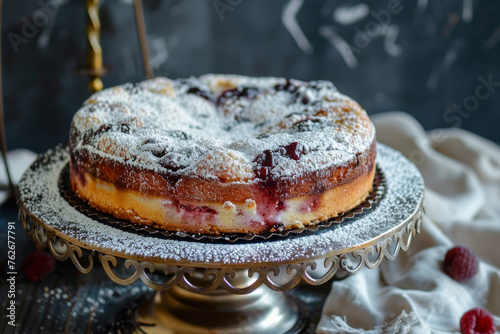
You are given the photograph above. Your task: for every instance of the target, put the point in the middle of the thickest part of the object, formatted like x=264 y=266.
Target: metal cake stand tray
x=216 y=286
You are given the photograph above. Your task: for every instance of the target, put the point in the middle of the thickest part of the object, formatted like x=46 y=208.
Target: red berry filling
x=77 y=172
x=477 y=321
x=292 y=152
x=460 y=263
x=287 y=86
x=266 y=161
x=240 y=92
x=37 y=265
x=194 y=214
x=281 y=206
x=199 y=92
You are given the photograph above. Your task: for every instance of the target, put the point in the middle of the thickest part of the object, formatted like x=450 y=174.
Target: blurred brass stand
x=94 y=68
x=143 y=40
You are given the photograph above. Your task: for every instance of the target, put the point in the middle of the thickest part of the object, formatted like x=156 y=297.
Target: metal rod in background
x=143 y=38
x=3 y=140
x=94 y=51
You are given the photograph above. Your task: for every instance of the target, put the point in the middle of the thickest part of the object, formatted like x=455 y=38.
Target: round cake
x=222 y=153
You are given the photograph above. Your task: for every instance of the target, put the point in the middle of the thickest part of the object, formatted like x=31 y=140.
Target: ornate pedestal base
x=178 y=310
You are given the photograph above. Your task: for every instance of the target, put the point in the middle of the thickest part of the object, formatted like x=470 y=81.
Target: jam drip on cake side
x=269 y=203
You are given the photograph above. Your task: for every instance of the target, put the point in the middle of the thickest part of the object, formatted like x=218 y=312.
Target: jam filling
x=292 y=152
x=310 y=204
x=193 y=213
x=235 y=93
x=199 y=92
x=265 y=162
x=269 y=209
x=287 y=86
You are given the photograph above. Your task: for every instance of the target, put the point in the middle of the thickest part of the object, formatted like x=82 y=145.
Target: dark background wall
x=423 y=57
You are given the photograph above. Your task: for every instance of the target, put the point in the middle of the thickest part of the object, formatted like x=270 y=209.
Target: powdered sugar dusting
x=196 y=126
x=39 y=193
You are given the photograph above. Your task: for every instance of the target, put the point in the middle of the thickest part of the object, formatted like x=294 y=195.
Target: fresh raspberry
x=37 y=265
x=460 y=263
x=477 y=321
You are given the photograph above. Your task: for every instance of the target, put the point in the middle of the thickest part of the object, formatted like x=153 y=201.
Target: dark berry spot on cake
x=321 y=84
x=132 y=88
x=199 y=92
x=159 y=152
x=311 y=124
x=264 y=172
x=169 y=164
x=87 y=137
x=123 y=128
x=281 y=206
x=263 y=136
x=292 y=151
x=150 y=141
x=103 y=129
x=287 y=86
x=236 y=93
x=267 y=158
x=264 y=165
x=266 y=161
x=357 y=155
x=77 y=172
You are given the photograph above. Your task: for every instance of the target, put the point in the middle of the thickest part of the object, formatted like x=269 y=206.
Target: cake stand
x=216 y=286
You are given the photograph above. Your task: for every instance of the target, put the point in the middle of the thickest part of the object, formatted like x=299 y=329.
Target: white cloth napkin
x=412 y=294
x=18 y=160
